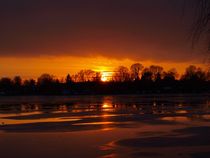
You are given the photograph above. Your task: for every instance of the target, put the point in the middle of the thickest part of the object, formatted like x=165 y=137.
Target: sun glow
x=106 y=76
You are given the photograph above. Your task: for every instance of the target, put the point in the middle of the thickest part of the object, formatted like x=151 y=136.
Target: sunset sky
x=64 y=36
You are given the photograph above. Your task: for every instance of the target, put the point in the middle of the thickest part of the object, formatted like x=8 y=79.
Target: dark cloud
x=137 y=29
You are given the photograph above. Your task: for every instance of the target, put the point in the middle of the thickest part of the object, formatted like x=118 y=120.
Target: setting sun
x=106 y=76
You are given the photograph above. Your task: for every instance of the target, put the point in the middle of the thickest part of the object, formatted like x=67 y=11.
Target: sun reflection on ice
x=106 y=106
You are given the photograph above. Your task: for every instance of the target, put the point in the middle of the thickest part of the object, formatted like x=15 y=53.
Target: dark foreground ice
x=128 y=126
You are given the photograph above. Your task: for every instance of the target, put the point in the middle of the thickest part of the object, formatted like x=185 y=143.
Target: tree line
x=134 y=80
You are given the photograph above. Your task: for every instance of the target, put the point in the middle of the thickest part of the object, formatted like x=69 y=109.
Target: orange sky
x=61 y=37
x=60 y=66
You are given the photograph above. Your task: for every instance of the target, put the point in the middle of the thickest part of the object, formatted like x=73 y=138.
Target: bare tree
x=84 y=76
x=121 y=74
x=45 y=79
x=68 y=79
x=201 y=27
x=17 y=81
x=136 y=71
x=194 y=73
x=146 y=75
x=157 y=72
x=170 y=75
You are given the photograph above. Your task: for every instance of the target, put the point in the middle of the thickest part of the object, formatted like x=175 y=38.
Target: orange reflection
x=207 y=116
x=176 y=119
x=107 y=103
x=105 y=106
x=43 y=120
x=181 y=112
x=95 y=123
x=61 y=109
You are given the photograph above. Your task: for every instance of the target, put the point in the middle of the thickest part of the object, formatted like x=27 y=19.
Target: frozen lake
x=124 y=126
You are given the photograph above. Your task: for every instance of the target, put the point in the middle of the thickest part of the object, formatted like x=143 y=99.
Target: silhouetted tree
x=157 y=72
x=170 y=75
x=29 y=83
x=45 y=79
x=201 y=75
x=208 y=75
x=17 y=81
x=17 y=84
x=6 y=85
x=47 y=84
x=136 y=71
x=29 y=86
x=68 y=79
x=153 y=80
x=97 y=77
x=84 y=76
x=193 y=73
x=89 y=75
x=81 y=76
x=201 y=26
x=121 y=74
x=146 y=75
